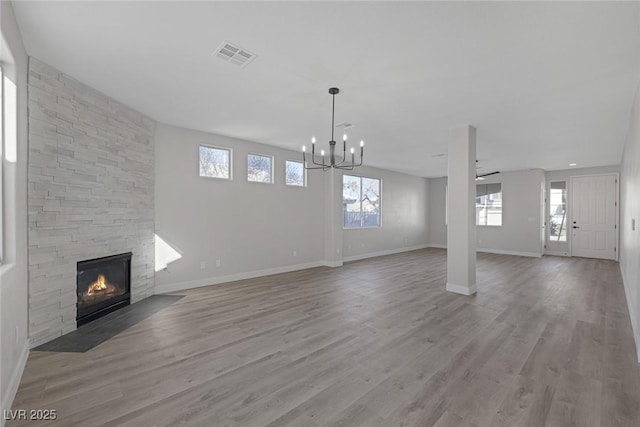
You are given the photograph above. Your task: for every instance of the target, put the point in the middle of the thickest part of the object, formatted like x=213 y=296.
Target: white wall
x=630 y=210
x=562 y=248
x=13 y=274
x=405 y=217
x=437 y=212
x=252 y=228
x=520 y=232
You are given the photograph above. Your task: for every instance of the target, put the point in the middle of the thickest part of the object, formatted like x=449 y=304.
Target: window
x=489 y=204
x=558 y=212
x=360 y=201
x=294 y=173
x=215 y=162
x=260 y=168
x=8 y=155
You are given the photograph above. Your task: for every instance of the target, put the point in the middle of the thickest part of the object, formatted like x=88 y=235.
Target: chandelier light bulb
x=313 y=139
x=361 y=143
x=352 y=150
x=344 y=137
x=304 y=148
x=322 y=152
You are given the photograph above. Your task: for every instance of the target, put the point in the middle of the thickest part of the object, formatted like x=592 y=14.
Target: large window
x=489 y=204
x=215 y=162
x=558 y=212
x=294 y=173
x=360 y=201
x=259 y=168
x=8 y=158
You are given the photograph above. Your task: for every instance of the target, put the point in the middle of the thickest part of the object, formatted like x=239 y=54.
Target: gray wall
x=405 y=217
x=520 y=232
x=437 y=212
x=630 y=210
x=252 y=228
x=91 y=189
x=13 y=272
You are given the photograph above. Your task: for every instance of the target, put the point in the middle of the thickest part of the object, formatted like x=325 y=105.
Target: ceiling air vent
x=234 y=54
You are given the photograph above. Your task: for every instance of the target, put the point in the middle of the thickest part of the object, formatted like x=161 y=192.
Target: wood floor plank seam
x=377 y=342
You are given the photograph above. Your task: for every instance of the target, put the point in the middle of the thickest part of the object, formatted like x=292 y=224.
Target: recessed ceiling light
x=572 y=164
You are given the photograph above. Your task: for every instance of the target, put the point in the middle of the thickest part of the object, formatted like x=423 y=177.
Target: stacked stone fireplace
x=90 y=191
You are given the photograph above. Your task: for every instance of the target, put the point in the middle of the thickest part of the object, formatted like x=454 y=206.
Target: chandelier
x=332 y=147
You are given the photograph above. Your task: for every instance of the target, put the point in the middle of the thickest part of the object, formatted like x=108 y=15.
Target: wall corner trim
x=14 y=382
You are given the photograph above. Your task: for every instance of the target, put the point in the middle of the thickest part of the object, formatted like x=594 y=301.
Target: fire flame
x=98 y=285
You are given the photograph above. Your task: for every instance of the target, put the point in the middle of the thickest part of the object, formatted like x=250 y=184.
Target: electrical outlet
x=362 y=244
x=295 y=253
x=203 y=265
x=217 y=263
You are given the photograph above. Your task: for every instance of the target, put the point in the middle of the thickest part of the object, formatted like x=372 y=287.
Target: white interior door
x=594 y=216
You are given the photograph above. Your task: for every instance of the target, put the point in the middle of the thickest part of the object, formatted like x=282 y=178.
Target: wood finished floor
x=377 y=342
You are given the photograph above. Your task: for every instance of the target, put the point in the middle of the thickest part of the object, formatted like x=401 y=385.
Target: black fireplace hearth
x=103 y=285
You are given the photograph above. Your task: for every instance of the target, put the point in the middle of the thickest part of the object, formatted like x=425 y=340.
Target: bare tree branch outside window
x=214 y=162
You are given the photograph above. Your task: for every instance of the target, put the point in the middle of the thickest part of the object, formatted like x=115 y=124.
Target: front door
x=594 y=216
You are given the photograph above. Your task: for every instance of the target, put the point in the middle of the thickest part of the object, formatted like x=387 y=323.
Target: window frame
x=566 y=211
x=271 y=164
x=304 y=174
x=215 y=147
x=380 y=196
x=485 y=206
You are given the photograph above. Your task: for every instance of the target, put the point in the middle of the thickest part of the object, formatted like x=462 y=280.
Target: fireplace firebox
x=103 y=286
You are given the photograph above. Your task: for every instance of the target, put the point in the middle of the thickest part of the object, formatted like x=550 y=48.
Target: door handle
x=575 y=226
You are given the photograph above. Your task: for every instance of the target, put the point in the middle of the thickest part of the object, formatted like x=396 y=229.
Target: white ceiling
x=546 y=84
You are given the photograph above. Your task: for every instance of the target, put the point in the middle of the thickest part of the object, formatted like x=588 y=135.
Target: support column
x=461 y=228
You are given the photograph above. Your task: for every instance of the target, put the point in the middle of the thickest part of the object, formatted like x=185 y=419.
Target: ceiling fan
x=480 y=177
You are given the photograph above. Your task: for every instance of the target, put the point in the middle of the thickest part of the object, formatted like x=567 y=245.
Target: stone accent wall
x=90 y=194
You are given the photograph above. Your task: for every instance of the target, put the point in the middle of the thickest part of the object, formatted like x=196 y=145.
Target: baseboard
x=14 y=382
x=632 y=314
x=461 y=289
x=497 y=251
x=179 y=286
x=383 y=253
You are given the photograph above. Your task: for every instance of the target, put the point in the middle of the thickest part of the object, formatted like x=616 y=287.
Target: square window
x=215 y=162
x=260 y=168
x=294 y=173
